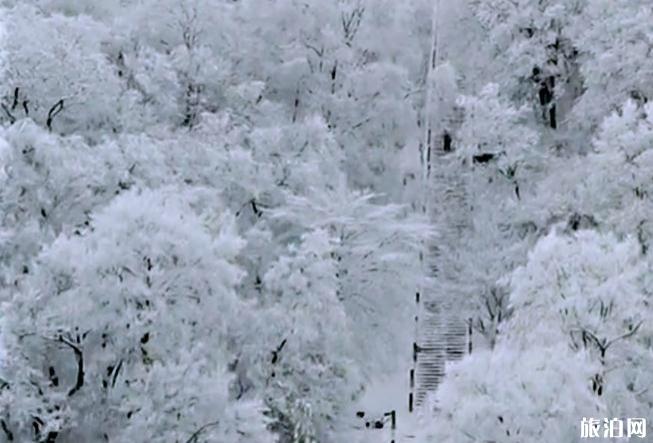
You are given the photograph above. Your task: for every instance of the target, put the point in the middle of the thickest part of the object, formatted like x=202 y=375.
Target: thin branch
x=15 y=101
x=12 y=119
x=53 y=112
x=626 y=335
x=116 y=371
x=275 y=353
x=604 y=344
x=79 y=356
x=318 y=52
x=361 y=123
x=5 y=429
x=194 y=438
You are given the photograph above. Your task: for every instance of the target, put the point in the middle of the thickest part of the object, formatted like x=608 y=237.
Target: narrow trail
x=441 y=333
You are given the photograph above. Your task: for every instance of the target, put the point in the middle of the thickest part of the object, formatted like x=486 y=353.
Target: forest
x=310 y=221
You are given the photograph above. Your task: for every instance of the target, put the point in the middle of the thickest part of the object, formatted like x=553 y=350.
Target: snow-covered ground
x=383 y=395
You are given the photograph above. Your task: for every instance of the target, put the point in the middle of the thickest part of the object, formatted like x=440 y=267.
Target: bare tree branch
x=5 y=429
x=12 y=119
x=194 y=438
x=15 y=101
x=79 y=356
x=53 y=112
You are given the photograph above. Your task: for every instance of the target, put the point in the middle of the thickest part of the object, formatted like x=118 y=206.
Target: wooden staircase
x=442 y=337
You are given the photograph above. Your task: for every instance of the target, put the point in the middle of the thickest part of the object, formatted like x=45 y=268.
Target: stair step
x=441 y=339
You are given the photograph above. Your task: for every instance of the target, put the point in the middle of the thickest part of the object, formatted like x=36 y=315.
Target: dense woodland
x=215 y=215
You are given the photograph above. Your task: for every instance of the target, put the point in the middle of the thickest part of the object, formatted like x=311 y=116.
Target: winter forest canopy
x=216 y=217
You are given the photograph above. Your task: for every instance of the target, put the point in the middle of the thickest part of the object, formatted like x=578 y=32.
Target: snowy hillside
x=307 y=221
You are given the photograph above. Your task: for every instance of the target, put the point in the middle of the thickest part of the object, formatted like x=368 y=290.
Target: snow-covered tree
x=49 y=184
x=207 y=227
x=58 y=73
x=534 y=41
x=610 y=186
x=614 y=42
x=310 y=371
x=581 y=309
x=121 y=331
x=376 y=248
x=539 y=394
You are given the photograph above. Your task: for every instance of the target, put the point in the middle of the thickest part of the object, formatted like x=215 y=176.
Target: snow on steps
x=442 y=337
